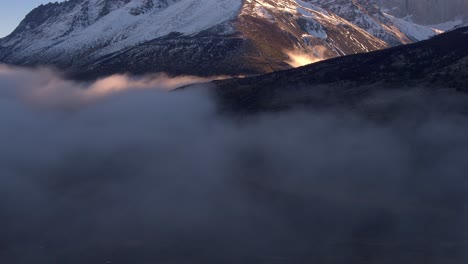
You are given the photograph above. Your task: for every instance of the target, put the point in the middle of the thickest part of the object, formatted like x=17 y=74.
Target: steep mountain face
x=367 y=15
x=296 y=27
x=436 y=65
x=91 y=38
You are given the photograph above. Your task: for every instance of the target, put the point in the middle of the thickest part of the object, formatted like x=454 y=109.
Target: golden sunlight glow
x=118 y=83
x=4 y=69
x=301 y=58
x=50 y=89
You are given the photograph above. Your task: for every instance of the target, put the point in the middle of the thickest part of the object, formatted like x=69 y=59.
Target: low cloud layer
x=123 y=174
x=47 y=88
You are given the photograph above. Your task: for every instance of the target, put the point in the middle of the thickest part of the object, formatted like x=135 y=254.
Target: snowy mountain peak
x=243 y=36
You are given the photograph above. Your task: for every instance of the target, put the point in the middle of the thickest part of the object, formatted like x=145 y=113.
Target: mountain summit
x=92 y=38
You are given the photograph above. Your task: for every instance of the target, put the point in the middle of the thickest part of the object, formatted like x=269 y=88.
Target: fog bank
x=123 y=171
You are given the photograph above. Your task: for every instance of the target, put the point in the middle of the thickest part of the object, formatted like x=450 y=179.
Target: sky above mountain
x=431 y=12
x=14 y=11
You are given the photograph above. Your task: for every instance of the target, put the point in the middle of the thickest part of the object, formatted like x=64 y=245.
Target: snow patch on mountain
x=313 y=7
x=415 y=31
x=449 y=25
x=261 y=12
x=366 y=15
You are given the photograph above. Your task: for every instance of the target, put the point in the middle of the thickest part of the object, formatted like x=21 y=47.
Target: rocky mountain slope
x=91 y=38
x=435 y=65
x=367 y=15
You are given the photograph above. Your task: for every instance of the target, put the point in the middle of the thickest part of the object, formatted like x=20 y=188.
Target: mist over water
x=137 y=174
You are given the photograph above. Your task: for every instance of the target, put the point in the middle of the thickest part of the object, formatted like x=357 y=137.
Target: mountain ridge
x=440 y=63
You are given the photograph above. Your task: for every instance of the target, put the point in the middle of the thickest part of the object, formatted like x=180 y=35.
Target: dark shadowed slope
x=441 y=62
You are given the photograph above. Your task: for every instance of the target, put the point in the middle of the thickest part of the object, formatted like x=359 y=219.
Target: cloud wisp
x=312 y=55
x=46 y=87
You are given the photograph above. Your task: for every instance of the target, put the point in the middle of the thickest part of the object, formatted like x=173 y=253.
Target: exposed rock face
x=367 y=15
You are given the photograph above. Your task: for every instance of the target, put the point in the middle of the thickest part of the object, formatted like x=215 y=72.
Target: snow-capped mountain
x=417 y=32
x=90 y=38
x=100 y=27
